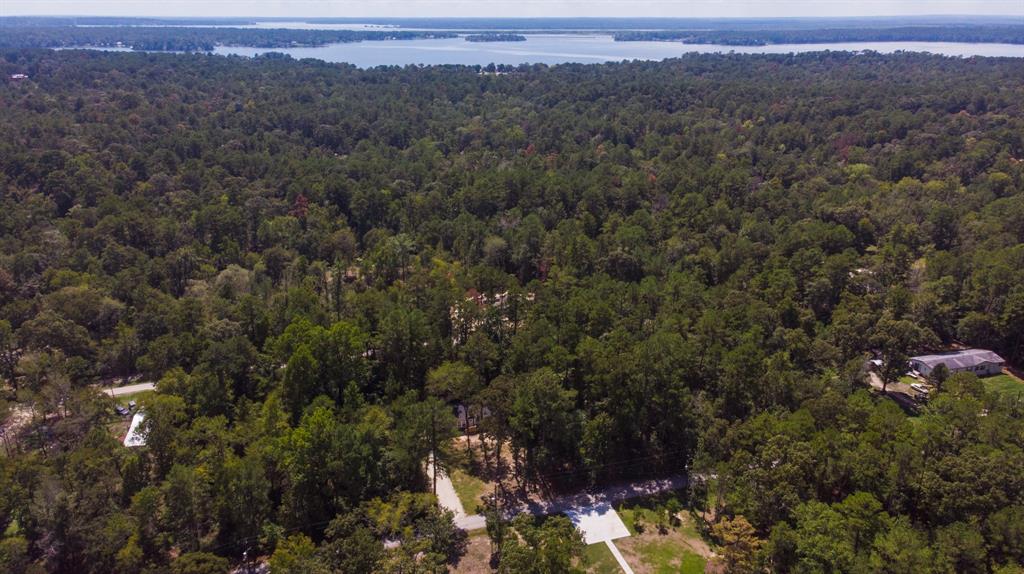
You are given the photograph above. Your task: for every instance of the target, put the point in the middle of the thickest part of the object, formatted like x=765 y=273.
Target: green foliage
x=902 y=550
x=627 y=270
x=422 y=429
x=300 y=380
x=541 y=547
x=454 y=381
x=296 y=555
x=14 y=555
x=542 y=419
x=741 y=549
x=200 y=563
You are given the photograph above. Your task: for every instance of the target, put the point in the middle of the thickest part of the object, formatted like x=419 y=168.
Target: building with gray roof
x=981 y=362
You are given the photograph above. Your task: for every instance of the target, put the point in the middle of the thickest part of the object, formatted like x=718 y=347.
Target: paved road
x=130 y=389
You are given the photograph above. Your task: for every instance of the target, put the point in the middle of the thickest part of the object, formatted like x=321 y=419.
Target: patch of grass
x=692 y=564
x=688 y=527
x=651 y=510
x=1007 y=386
x=666 y=557
x=676 y=548
x=648 y=518
x=470 y=489
x=598 y=559
x=125 y=399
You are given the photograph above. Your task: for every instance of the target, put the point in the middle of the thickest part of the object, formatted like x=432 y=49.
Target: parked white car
x=920 y=388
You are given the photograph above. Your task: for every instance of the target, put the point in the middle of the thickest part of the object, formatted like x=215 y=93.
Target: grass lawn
x=1004 y=384
x=598 y=559
x=470 y=489
x=908 y=380
x=1007 y=386
x=672 y=549
x=692 y=564
x=645 y=509
x=125 y=399
x=668 y=557
x=647 y=515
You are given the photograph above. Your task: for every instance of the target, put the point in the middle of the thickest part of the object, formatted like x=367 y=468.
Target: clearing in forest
x=658 y=545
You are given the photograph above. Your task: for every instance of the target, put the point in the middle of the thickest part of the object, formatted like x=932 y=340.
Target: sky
x=510 y=8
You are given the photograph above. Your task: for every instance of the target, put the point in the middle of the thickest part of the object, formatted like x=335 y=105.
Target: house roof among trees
x=960 y=359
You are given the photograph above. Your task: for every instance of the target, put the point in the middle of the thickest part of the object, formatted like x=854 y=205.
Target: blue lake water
x=579 y=48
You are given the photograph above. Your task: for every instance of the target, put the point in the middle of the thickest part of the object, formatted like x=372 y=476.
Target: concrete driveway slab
x=598 y=522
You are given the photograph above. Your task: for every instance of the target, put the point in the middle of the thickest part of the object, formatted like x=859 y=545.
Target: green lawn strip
x=469 y=489
x=125 y=399
x=598 y=559
x=1005 y=385
x=669 y=557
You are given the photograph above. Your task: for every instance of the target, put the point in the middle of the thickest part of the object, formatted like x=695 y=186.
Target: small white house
x=981 y=362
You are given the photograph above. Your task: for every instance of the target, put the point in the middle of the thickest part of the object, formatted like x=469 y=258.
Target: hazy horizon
x=456 y=17
x=512 y=9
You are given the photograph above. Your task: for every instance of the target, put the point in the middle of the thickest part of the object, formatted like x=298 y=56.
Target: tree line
x=989 y=33
x=192 y=39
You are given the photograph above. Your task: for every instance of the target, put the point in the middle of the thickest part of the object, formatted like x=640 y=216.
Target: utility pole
x=497 y=512
x=433 y=448
x=498 y=516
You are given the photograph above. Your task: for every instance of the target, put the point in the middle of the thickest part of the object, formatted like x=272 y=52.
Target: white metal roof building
x=135 y=436
x=981 y=362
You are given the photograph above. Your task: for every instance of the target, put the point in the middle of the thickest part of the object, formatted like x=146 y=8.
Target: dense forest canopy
x=694 y=260
x=189 y=39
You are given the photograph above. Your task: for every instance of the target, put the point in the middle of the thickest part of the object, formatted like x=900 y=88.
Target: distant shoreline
x=961 y=34
x=494 y=37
